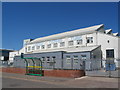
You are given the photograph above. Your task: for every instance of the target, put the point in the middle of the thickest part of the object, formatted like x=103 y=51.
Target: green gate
x=33 y=66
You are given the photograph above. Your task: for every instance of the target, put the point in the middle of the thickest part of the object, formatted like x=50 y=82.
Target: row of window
x=75 y=58
x=68 y=59
x=62 y=44
x=55 y=45
x=48 y=58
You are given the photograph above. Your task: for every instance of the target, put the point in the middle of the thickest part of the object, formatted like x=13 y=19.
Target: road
x=15 y=81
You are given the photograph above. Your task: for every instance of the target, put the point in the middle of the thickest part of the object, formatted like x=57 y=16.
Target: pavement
x=21 y=83
x=38 y=78
x=103 y=73
x=11 y=80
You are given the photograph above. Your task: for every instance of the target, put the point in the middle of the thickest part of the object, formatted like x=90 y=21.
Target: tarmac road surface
x=22 y=81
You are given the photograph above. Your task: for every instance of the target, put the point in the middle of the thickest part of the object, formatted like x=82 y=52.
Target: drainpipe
x=62 y=61
x=71 y=63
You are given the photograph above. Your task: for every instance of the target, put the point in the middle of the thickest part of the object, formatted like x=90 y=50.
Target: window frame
x=68 y=60
x=62 y=44
x=75 y=59
x=33 y=47
x=89 y=39
x=54 y=59
x=29 y=48
x=70 y=43
x=43 y=59
x=83 y=56
x=49 y=46
x=79 y=42
x=42 y=46
x=48 y=59
x=55 y=45
x=37 y=47
x=110 y=53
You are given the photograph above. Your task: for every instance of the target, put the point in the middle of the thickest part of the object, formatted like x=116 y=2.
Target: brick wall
x=53 y=73
x=64 y=73
x=14 y=70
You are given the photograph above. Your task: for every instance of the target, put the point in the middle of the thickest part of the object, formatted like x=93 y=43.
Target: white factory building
x=80 y=40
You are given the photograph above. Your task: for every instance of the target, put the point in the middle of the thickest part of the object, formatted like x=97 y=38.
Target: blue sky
x=24 y=20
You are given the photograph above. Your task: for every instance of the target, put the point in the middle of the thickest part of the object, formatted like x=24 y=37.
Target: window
x=75 y=59
x=68 y=59
x=62 y=44
x=53 y=58
x=83 y=57
x=55 y=45
x=33 y=47
x=48 y=59
x=43 y=59
x=89 y=39
x=70 y=43
x=43 y=46
x=79 y=41
x=94 y=56
x=49 y=46
x=29 y=48
x=110 y=53
x=38 y=47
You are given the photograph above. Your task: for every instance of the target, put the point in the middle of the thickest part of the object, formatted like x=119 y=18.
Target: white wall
x=99 y=38
x=16 y=53
x=22 y=50
x=66 y=39
x=113 y=44
x=12 y=54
